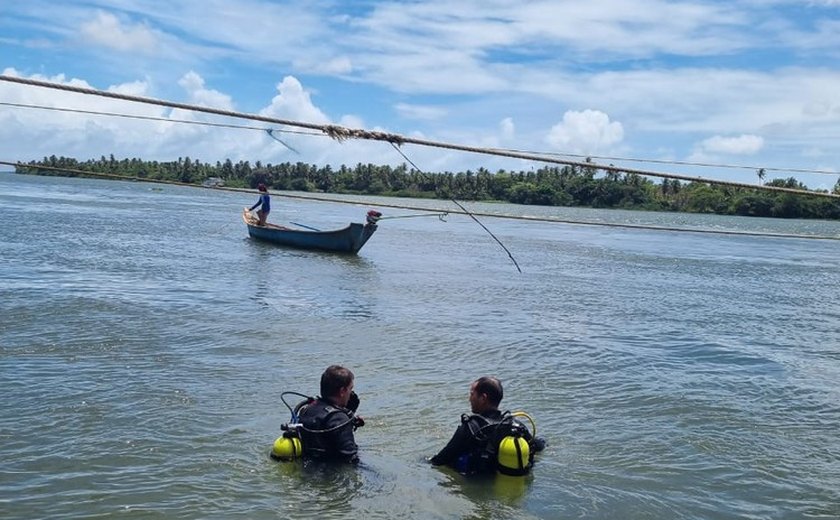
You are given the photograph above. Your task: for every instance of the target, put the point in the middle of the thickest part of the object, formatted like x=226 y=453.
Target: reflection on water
x=292 y=282
x=145 y=340
x=505 y=489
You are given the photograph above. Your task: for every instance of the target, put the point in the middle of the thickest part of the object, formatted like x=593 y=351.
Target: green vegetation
x=552 y=186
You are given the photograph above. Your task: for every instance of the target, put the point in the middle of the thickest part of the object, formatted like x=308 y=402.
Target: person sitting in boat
x=264 y=202
x=478 y=445
x=327 y=423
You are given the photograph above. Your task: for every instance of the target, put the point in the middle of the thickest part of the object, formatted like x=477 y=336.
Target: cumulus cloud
x=293 y=102
x=745 y=144
x=199 y=95
x=26 y=134
x=588 y=131
x=531 y=61
x=132 y=88
x=107 y=30
x=59 y=99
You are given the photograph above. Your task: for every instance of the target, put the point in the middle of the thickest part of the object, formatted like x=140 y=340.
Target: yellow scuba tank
x=289 y=445
x=514 y=456
x=286 y=448
x=514 y=452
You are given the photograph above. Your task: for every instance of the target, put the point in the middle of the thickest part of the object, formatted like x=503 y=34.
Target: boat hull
x=348 y=240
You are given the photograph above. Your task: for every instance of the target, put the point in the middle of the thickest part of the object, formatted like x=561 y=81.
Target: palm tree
x=761 y=173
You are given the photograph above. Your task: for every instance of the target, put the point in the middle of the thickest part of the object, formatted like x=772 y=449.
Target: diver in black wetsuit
x=327 y=423
x=472 y=449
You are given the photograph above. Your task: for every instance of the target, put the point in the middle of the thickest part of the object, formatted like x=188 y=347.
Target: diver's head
x=485 y=394
x=337 y=384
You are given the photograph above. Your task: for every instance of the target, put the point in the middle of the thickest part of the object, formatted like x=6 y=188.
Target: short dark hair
x=334 y=378
x=492 y=387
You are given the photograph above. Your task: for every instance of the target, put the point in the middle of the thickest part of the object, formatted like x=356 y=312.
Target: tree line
x=549 y=185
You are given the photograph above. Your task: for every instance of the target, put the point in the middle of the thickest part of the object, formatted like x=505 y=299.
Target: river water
x=145 y=341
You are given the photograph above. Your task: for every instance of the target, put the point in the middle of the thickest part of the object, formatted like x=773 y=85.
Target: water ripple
x=674 y=376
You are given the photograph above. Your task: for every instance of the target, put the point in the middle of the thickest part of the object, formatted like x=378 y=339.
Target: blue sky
x=738 y=82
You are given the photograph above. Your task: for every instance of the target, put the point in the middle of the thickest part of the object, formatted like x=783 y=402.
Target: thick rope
x=551 y=154
x=341 y=133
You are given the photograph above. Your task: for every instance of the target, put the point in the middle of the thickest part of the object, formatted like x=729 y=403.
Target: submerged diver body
x=475 y=446
x=324 y=426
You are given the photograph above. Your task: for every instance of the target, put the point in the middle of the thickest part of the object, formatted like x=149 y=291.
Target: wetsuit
x=265 y=200
x=327 y=432
x=471 y=449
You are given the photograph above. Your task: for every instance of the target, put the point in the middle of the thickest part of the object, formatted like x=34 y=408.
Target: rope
x=553 y=154
x=270 y=133
x=465 y=211
x=340 y=133
x=441 y=216
x=684 y=163
x=162 y=119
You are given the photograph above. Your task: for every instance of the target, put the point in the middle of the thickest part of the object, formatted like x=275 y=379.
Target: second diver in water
x=322 y=428
x=488 y=440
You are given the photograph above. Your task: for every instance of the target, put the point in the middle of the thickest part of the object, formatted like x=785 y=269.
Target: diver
x=322 y=428
x=488 y=440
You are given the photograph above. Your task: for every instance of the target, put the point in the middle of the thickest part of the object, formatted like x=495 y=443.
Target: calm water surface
x=145 y=341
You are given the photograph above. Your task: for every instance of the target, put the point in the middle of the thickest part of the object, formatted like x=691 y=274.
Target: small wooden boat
x=347 y=240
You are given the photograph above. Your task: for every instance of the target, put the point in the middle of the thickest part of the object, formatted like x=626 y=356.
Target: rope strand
x=510 y=255
x=340 y=133
x=441 y=216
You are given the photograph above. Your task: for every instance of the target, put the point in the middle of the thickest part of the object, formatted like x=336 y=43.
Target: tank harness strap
x=330 y=410
x=476 y=424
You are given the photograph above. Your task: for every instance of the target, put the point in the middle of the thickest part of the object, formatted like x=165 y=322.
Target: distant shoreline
x=566 y=186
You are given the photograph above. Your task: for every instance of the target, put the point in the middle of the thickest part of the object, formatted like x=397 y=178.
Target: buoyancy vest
x=316 y=425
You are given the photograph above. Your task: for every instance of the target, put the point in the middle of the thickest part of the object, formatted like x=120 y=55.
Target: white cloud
x=27 y=134
x=337 y=66
x=742 y=145
x=132 y=88
x=295 y=103
x=107 y=30
x=351 y=121
x=199 y=95
x=474 y=47
x=588 y=131
x=507 y=129
x=419 y=112
x=817 y=108
x=531 y=61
